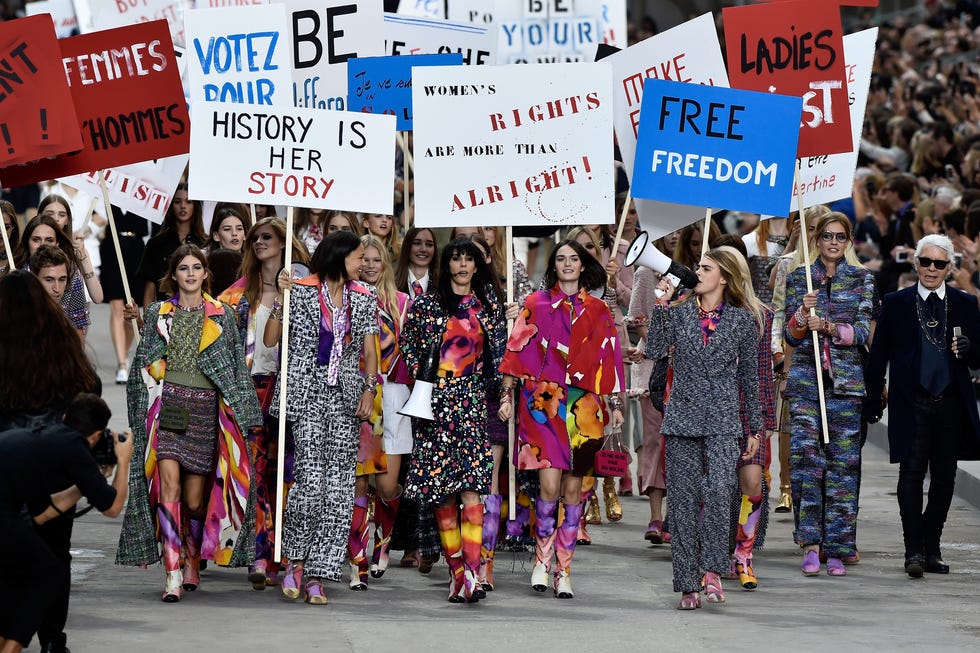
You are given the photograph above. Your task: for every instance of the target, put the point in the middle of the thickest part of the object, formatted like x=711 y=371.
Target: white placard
x=829 y=178
x=323 y=35
x=408 y=35
x=239 y=55
x=434 y=9
x=549 y=31
x=298 y=157
x=510 y=145
x=142 y=188
x=687 y=53
x=106 y=14
x=62 y=12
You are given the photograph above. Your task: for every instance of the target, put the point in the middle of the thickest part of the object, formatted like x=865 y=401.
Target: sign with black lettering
x=106 y=14
x=794 y=47
x=293 y=156
x=506 y=145
x=323 y=36
x=717 y=147
x=409 y=35
x=384 y=84
x=37 y=117
x=552 y=31
x=238 y=54
x=128 y=97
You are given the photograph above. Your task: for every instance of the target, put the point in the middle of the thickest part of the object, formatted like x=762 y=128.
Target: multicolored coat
x=229 y=525
x=848 y=300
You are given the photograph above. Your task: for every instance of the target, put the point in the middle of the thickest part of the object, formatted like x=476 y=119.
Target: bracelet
x=506 y=398
x=370 y=385
x=800 y=318
x=609 y=293
x=56 y=508
x=615 y=403
x=756 y=436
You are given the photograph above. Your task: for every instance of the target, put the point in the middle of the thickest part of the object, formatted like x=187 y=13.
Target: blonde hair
x=252 y=267
x=391 y=240
x=738 y=291
x=593 y=236
x=796 y=256
x=387 y=292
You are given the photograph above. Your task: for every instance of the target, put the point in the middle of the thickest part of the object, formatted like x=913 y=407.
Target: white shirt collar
x=924 y=292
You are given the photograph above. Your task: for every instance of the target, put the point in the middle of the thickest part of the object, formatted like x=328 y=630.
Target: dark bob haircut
x=593 y=274
x=329 y=259
x=484 y=283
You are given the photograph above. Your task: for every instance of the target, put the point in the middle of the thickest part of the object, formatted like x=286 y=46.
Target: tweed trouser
x=826 y=477
x=699 y=470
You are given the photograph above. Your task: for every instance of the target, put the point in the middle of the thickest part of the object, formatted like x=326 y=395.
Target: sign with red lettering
x=506 y=145
x=129 y=100
x=37 y=117
x=144 y=188
x=794 y=47
x=107 y=14
x=687 y=53
x=294 y=156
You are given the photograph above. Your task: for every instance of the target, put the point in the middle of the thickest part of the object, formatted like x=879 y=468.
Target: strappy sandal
x=690 y=601
x=314 y=593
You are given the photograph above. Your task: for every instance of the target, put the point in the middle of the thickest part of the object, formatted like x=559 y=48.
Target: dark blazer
x=898 y=344
x=704 y=397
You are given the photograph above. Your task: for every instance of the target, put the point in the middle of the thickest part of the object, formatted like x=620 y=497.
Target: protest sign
x=510 y=146
x=794 y=47
x=408 y=35
x=384 y=84
x=62 y=12
x=238 y=55
x=549 y=31
x=720 y=147
x=37 y=117
x=107 y=14
x=687 y=53
x=830 y=177
x=144 y=188
x=324 y=35
x=293 y=156
x=130 y=103
x=434 y=9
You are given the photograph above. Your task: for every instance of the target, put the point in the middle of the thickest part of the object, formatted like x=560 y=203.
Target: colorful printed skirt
x=194 y=448
x=452 y=453
x=558 y=430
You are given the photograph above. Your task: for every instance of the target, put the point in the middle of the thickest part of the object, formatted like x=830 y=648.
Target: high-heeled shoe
x=690 y=601
x=174 y=589
x=713 y=591
x=614 y=509
x=592 y=515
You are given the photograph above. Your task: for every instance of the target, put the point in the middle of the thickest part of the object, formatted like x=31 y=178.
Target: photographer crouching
x=48 y=469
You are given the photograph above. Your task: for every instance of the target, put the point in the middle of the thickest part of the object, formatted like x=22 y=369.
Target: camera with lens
x=104 y=450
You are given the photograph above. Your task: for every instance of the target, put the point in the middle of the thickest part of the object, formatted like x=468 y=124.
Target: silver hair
x=935 y=240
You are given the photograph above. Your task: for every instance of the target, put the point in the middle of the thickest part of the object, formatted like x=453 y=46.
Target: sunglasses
x=258 y=237
x=829 y=236
x=927 y=262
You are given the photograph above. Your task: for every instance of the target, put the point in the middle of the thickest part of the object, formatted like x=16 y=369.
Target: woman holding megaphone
x=446 y=341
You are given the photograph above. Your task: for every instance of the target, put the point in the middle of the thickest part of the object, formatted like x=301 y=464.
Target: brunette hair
x=42 y=362
x=682 y=252
x=593 y=273
x=65 y=244
x=401 y=270
x=168 y=284
x=222 y=214
x=197 y=232
x=252 y=267
x=355 y=225
x=329 y=259
x=48 y=256
x=54 y=198
x=484 y=280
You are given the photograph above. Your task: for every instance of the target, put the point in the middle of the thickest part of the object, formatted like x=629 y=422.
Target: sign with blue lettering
x=718 y=147
x=409 y=35
x=238 y=55
x=384 y=84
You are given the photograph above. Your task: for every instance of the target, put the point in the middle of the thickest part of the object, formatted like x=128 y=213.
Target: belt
x=127 y=233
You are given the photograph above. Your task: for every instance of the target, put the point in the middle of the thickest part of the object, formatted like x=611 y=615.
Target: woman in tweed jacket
x=714 y=337
x=826 y=477
x=193 y=498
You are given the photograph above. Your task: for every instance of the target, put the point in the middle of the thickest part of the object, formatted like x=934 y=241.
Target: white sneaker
x=563 y=585
x=122 y=376
x=539 y=577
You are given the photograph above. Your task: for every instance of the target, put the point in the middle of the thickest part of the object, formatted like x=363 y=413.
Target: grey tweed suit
x=701 y=422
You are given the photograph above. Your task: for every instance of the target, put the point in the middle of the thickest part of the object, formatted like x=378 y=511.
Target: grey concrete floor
x=623 y=592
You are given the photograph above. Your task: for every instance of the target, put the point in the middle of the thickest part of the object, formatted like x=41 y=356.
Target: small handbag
x=613 y=459
x=174 y=418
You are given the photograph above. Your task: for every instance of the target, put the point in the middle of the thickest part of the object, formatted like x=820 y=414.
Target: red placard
x=37 y=118
x=128 y=98
x=794 y=47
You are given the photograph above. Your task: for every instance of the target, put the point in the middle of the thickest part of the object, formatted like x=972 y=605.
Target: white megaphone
x=642 y=252
x=419 y=403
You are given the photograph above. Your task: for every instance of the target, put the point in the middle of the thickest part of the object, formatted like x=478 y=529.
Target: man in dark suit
x=932 y=412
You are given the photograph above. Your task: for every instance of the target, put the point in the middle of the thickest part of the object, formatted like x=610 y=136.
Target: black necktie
x=934 y=304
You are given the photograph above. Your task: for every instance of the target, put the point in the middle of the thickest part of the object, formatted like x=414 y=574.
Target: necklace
x=189 y=309
x=267 y=283
x=932 y=324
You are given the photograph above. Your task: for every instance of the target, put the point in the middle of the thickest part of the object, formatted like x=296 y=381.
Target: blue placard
x=384 y=84
x=716 y=147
